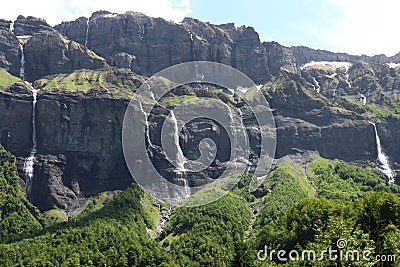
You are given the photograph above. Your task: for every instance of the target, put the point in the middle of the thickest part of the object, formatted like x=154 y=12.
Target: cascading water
x=317 y=86
x=199 y=76
x=363 y=99
x=164 y=218
x=348 y=77
x=152 y=96
x=146 y=124
x=233 y=125
x=180 y=160
x=29 y=162
x=87 y=31
x=22 y=68
x=383 y=159
x=11 y=29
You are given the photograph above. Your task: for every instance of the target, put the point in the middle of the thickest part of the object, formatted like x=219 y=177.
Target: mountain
x=84 y=91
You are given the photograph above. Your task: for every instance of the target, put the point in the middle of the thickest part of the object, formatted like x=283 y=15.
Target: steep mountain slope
x=327 y=108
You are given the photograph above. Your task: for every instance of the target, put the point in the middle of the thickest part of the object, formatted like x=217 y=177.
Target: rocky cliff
x=82 y=100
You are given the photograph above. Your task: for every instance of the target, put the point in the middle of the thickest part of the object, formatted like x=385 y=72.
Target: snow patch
x=328 y=64
x=393 y=65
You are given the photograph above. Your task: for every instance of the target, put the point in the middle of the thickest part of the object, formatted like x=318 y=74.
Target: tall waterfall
x=383 y=159
x=87 y=31
x=180 y=160
x=199 y=76
x=233 y=125
x=22 y=68
x=146 y=124
x=29 y=162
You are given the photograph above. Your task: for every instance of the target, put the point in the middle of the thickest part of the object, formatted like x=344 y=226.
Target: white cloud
x=55 y=11
x=364 y=27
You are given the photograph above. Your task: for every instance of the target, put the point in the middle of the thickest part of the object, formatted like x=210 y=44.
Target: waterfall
x=383 y=159
x=152 y=96
x=22 y=68
x=363 y=99
x=146 y=124
x=199 y=76
x=87 y=31
x=29 y=162
x=180 y=160
x=317 y=87
x=233 y=125
x=164 y=218
x=11 y=29
x=348 y=77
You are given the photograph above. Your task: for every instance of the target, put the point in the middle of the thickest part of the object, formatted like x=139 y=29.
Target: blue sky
x=353 y=26
x=288 y=22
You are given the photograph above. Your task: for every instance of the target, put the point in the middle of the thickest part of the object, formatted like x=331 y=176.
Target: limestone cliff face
x=48 y=53
x=79 y=133
x=45 y=51
x=10 y=52
x=156 y=43
x=305 y=54
x=27 y=26
x=79 y=145
x=79 y=112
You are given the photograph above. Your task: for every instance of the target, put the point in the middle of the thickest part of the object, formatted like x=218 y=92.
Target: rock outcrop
x=27 y=26
x=82 y=100
x=10 y=52
x=48 y=53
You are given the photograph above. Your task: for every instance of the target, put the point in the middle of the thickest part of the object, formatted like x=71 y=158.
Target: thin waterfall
x=87 y=31
x=363 y=99
x=180 y=160
x=22 y=68
x=348 y=77
x=29 y=162
x=317 y=86
x=146 y=124
x=198 y=76
x=383 y=159
x=11 y=29
x=152 y=96
x=233 y=125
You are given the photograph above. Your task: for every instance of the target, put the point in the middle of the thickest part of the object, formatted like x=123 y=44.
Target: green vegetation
x=206 y=235
x=55 y=216
x=112 y=83
x=113 y=236
x=6 y=79
x=297 y=207
x=287 y=184
x=93 y=205
x=18 y=218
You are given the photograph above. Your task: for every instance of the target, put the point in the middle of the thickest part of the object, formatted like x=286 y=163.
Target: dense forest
x=292 y=210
